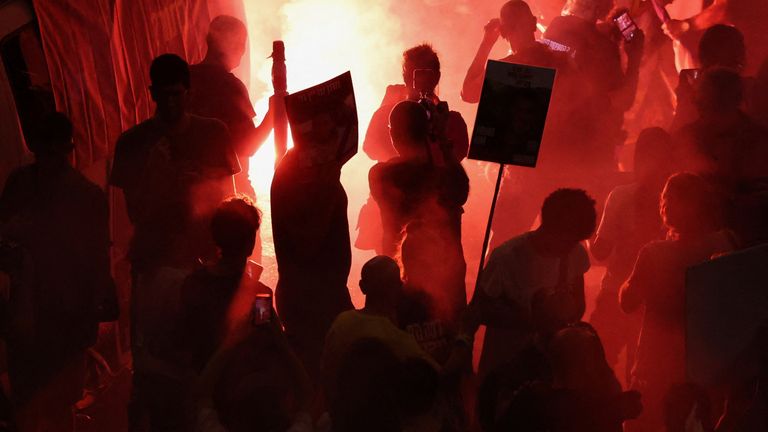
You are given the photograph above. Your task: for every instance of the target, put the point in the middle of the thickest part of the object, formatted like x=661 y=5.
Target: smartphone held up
x=261 y=310
x=626 y=26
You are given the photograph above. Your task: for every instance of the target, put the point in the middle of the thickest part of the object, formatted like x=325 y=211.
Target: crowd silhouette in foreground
x=209 y=350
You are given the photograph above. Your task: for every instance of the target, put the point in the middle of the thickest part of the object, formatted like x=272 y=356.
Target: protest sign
x=323 y=121
x=512 y=114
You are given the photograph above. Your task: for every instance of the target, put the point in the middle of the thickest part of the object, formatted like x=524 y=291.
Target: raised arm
x=473 y=82
x=259 y=134
x=624 y=96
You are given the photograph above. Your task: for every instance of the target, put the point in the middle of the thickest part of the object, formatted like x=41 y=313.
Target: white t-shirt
x=515 y=272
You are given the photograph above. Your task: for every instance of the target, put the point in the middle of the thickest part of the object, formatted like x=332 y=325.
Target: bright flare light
x=323 y=38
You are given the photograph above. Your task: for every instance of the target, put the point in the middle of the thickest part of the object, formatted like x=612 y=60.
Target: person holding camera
x=421 y=76
x=448 y=136
x=421 y=210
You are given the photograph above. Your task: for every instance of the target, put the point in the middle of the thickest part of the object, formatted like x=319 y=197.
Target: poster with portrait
x=323 y=121
x=726 y=305
x=512 y=113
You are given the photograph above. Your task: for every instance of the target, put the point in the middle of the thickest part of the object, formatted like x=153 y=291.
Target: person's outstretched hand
x=492 y=31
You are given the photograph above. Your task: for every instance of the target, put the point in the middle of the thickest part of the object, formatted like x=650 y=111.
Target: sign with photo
x=323 y=121
x=512 y=114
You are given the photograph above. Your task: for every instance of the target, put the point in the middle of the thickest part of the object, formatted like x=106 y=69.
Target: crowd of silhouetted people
x=210 y=352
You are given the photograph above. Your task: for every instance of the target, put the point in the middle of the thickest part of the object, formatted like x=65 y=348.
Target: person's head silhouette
x=381 y=283
x=517 y=23
x=568 y=217
x=421 y=57
x=689 y=206
x=234 y=227
x=53 y=138
x=169 y=76
x=227 y=38
x=722 y=46
x=409 y=129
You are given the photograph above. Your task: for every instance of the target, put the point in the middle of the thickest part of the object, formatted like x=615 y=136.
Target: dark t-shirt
x=256 y=389
x=421 y=208
x=596 y=55
x=729 y=154
x=60 y=219
x=207 y=297
x=172 y=184
x=217 y=93
x=597 y=73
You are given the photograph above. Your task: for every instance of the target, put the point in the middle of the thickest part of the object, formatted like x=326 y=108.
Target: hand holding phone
x=689 y=76
x=425 y=80
x=261 y=311
x=626 y=26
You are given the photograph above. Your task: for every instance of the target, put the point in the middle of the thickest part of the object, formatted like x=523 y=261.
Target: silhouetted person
x=312 y=247
x=721 y=46
x=366 y=396
x=381 y=284
x=586 y=394
x=217 y=93
x=421 y=210
x=517 y=25
x=630 y=220
x=723 y=144
x=579 y=392
x=448 y=137
x=377 y=144
x=529 y=365
x=174 y=170
x=730 y=150
x=548 y=259
x=560 y=155
x=221 y=292
x=59 y=220
x=657 y=283
x=250 y=378
x=610 y=88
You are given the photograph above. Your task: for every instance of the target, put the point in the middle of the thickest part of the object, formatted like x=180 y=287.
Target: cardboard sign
x=726 y=303
x=323 y=121
x=512 y=113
